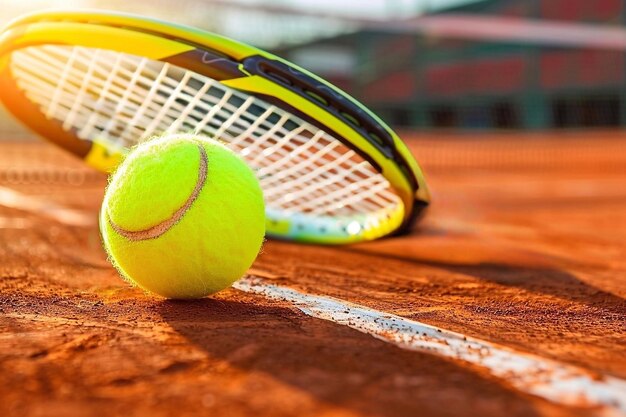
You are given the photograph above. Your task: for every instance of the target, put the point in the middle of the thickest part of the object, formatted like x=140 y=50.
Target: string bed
x=307 y=175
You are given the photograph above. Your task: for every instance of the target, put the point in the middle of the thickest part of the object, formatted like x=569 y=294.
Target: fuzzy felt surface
x=212 y=244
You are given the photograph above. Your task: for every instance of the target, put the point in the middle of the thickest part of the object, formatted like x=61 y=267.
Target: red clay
x=522 y=250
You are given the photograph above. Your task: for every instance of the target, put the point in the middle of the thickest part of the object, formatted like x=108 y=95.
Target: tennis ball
x=182 y=217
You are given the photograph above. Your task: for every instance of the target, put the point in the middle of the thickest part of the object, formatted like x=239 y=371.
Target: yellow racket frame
x=160 y=40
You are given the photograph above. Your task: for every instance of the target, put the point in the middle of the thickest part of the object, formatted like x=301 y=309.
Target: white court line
x=41 y=207
x=554 y=381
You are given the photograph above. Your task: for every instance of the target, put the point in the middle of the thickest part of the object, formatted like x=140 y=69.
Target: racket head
x=362 y=182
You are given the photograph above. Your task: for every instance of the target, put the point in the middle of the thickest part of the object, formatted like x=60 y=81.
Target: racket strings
x=122 y=99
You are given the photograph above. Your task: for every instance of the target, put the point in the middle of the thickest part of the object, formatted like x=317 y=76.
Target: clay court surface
x=523 y=247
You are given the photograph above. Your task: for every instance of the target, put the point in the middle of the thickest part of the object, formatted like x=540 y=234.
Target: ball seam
x=156 y=231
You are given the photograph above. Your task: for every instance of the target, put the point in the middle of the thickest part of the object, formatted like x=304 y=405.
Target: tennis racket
x=97 y=83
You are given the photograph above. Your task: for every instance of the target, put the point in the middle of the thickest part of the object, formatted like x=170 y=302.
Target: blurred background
x=526 y=65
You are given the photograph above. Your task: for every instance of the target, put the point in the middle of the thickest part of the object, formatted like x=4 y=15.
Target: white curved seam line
x=159 y=229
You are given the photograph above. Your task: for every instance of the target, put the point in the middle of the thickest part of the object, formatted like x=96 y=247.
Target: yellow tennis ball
x=182 y=217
